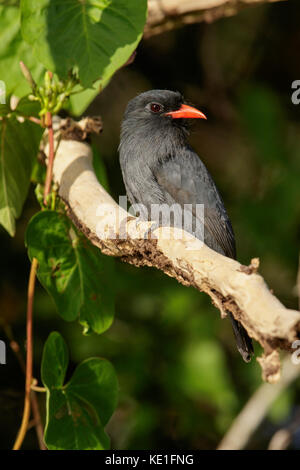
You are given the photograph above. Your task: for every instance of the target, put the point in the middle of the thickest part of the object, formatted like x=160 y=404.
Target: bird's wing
x=185 y=180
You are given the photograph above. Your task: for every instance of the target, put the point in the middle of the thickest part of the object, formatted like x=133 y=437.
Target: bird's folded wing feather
x=187 y=181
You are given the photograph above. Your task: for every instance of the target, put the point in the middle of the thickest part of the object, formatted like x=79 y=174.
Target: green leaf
x=79 y=101
x=95 y=36
x=13 y=49
x=19 y=143
x=74 y=272
x=4 y=109
x=78 y=411
x=26 y=107
x=55 y=361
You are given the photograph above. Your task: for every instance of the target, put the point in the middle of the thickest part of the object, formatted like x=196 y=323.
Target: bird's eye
x=155 y=107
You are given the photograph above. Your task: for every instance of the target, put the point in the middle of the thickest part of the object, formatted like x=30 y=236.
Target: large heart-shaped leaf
x=77 y=411
x=74 y=272
x=19 y=143
x=13 y=48
x=79 y=101
x=95 y=36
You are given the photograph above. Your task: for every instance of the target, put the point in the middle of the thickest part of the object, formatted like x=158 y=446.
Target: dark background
x=182 y=382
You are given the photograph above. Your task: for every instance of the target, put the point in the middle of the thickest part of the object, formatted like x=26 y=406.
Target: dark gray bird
x=160 y=167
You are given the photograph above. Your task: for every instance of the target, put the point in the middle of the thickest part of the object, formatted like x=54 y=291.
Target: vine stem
x=28 y=380
x=38 y=421
x=34 y=401
x=48 y=122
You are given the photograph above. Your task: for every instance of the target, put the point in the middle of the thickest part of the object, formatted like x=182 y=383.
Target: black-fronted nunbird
x=159 y=167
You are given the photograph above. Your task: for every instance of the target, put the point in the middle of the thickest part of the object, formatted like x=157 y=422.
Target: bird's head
x=159 y=109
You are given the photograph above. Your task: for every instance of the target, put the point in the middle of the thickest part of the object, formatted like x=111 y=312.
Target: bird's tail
x=243 y=341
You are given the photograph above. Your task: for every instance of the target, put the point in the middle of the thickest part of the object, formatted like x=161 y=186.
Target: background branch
x=256 y=409
x=164 y=15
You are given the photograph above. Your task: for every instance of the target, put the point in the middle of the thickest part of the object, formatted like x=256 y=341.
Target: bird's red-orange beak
x=186 y=111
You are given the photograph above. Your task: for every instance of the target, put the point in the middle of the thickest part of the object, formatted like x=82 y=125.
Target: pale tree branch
x=283 y=437
x=164 y=15
x=231 y=286
x=253 y=413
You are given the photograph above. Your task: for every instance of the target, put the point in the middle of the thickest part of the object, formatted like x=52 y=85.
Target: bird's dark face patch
x=154 y=104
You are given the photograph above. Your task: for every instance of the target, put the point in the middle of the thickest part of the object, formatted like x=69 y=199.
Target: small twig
x=33 y=119
x=22 y=119
x=27 y=74
x=28 y=381
x=36 y=388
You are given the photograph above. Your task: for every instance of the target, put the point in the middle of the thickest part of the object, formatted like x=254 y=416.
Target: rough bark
x=164 y=15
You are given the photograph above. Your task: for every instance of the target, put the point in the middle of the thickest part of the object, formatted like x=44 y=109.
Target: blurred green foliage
x=181 y=379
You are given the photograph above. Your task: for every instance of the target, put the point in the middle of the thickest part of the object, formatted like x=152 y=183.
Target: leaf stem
x=34 y=119
x=48 y=122
x=28 y=381
x=36 y=388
